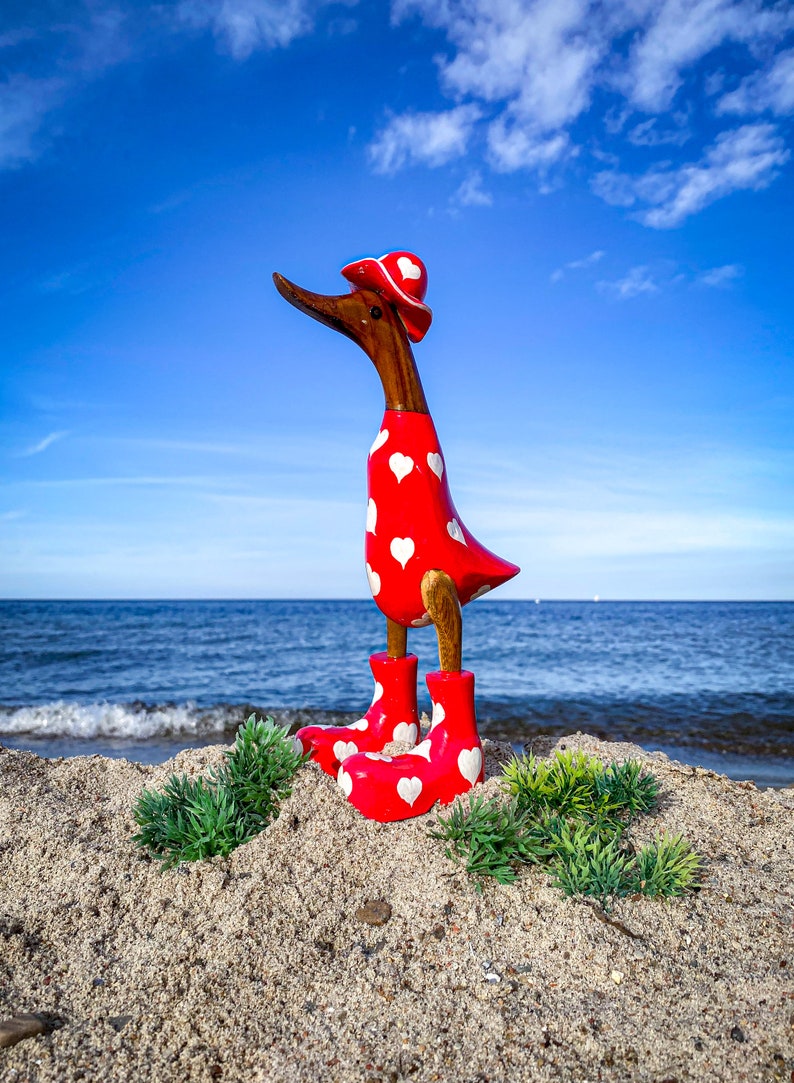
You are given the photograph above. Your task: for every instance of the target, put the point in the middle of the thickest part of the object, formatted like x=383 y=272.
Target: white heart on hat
x=402 y=549
x=400 y=465
x=469 y=764
x=405 y=731
x=374 y=581
x=436 y=463
x=479 y=592
x=409 y=789
x=408 y=269
x=343 y=749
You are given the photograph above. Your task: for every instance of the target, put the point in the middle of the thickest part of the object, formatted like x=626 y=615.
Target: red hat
x=402 y=279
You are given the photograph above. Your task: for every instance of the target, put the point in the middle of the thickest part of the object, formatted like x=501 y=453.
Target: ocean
x=709 y=683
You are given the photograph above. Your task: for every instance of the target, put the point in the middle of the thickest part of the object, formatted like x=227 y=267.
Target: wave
x=141 y=721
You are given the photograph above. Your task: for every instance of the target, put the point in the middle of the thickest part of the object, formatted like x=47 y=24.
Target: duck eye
x=375 y=312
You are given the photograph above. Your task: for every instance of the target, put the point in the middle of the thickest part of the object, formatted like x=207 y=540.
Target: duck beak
x=347 y=313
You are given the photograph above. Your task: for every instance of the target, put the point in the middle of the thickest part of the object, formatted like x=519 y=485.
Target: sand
x=256 y=967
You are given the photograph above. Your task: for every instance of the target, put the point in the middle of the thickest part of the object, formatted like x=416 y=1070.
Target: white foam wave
x=130 y=721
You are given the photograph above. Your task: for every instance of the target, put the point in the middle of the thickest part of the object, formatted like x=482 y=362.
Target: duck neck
x=395 y=364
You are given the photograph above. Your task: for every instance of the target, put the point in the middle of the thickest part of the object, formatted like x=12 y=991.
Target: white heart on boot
x=372 y=516
x=402 y=549
x=439 y=714
x=436 y=463
x=424 y=749
x=343 y=749
x=379 y=440
x=454 y=531
x=405 y=731
x=344 y=782
x=409 y=789
x=409 y=269
x=469 y=764
x=376 y=695
x=359 y=724
x=374 y=581
x=400 y=465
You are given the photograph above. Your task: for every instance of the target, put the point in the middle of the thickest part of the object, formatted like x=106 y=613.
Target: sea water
x=708 y=683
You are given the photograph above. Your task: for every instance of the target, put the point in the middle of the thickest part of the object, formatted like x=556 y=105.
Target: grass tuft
x=569 y=815
x=194 y=819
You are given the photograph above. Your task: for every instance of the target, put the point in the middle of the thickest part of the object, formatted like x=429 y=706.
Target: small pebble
x=374 y=912
x=616 y=977
x=21 y=1026
x=738 y=1034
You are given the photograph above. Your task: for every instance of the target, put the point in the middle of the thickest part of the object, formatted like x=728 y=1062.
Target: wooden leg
x=396 y=639
x=441 y=601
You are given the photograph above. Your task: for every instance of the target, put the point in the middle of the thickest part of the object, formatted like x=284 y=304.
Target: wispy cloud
x=242 y=26
x=771 y=90
x=577 y=265
x=637 y=282
x=721 y=276
x=748 y=158
x=471 y=193
x=42 y=445
x=24 y=104
x=430 y=138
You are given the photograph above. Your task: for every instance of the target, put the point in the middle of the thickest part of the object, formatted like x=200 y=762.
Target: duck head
x=368 y=318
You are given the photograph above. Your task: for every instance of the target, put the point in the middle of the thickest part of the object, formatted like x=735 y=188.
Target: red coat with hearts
x=412 y=524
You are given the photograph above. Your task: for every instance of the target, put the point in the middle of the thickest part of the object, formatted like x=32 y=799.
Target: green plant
x=193 y=819
x=667 y=866
x=491 y=838
x=577 y=785
x=569 y=814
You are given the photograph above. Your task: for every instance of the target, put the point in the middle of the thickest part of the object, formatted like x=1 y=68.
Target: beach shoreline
x=256 y=966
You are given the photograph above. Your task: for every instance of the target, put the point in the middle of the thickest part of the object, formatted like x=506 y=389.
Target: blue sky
x=602 y=194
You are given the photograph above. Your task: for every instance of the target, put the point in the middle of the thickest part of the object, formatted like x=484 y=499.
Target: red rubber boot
x=448 y=762
x=392 y=716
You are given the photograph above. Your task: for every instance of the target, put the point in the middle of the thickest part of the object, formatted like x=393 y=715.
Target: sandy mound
x=256 y=967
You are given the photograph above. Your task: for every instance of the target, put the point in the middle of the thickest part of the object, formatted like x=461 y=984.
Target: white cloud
x=772 y=90
x=513 y=147
x=578 y=265
x=246 y=25
x=24 y=104
x=646 y=134
x=721 y=276
x=748 y=158
x=432 y=138
x=42 y=445
x=681 y=32
x=635 y=283
x=471 y=193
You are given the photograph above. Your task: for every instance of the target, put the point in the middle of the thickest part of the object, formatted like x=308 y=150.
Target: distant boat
x=537 y=601
x=596 y=599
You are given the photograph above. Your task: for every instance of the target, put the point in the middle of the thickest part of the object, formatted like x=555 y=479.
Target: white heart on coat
x=424 y=749
x=402 y=549
x=359 y=724
x=343 y=749
x=436 y=463
x=378 y=693
x=405 y=731
x=479 y=593
x=344 y=782
x=409 y=789
x=469 y=764
x=439 y=714
x=400 y=465
x=372 y=516
x=379 y=440
x=374 y=581
x=408 y=269
x=421 y=622
x=454 y=531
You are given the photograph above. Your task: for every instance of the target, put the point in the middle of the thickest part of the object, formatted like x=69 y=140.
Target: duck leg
x=396 y=639
x=449 y=761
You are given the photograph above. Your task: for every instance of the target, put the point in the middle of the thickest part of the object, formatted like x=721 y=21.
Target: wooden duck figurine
x=422 y=563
